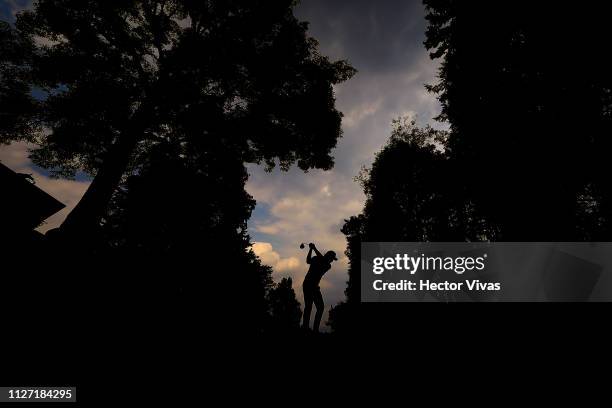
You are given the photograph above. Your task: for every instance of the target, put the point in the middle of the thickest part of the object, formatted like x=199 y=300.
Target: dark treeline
x=162 y=103
x=526 y=89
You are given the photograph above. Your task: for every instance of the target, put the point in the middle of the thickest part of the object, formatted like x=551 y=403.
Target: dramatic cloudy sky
x=383 y=39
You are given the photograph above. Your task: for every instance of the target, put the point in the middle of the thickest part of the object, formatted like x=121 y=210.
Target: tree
x=163 y=103
x=285 y=309
x=16 y=102
x=184 y=219
x=412 y=195
x=530 y=119
x=118 y=78
x=525 y=158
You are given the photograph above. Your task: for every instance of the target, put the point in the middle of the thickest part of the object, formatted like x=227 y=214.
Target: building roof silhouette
x=23 y=206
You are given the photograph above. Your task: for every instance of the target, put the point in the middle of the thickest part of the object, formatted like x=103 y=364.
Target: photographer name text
x=413 y=264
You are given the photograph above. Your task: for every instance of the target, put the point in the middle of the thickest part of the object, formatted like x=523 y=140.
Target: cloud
x=357 y=114
x=10 y=8
x=269 y=256
x=377 y=36
x=304 y=208
x=287 y=264
x=384 y=41
x=301 y=207
x=69 y=192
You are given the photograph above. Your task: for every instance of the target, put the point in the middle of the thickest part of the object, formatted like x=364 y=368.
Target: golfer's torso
x=317 y=269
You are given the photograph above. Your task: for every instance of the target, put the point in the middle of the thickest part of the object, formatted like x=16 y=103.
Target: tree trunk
x=86 y=215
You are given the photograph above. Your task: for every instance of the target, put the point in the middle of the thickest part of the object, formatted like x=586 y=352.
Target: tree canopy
x=163 y=103
x=412 y=195
x=116 y=78
x=284 y=307
x=526 y=89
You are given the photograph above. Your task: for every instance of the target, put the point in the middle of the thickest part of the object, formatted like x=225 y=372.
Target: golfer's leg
x=307 y=308
x=318 y=301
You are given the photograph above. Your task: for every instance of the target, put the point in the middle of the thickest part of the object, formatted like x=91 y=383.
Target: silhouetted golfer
x=312 y=292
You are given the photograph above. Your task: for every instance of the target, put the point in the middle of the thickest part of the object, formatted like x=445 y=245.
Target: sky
x=383 y=40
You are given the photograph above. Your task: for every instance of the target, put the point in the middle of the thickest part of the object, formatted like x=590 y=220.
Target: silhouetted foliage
x=120 y=77
x=16 y=101
x=527 y=91
x=411 y=195
x=186 y=217
x=163 y=103
x=284 y=307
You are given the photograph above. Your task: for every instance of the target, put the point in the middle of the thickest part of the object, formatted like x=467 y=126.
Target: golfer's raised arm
x=314 y=248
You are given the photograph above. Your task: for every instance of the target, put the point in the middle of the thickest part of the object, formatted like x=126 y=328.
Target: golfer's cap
x=332 y=255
